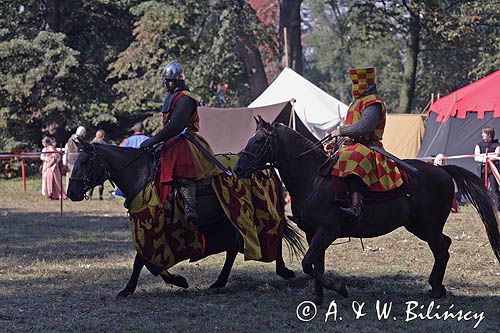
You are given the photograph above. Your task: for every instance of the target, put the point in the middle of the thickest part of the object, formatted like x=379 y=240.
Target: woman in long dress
x=53 y=184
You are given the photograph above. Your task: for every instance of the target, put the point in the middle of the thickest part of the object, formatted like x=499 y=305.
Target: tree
x=334 y=43
x=290 y=18
x=436 y=32
x=85 y=39
x=216 y=43
x=33 y=77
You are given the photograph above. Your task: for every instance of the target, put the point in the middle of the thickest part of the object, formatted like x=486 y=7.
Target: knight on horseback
x=181 y=162
x=362 y=168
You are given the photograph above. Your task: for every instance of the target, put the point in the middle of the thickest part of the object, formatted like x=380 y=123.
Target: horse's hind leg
x=439 y=244
x=134 y=278
x=226 y=270
x=439 y=248
x=321 y=240
x=281 y=268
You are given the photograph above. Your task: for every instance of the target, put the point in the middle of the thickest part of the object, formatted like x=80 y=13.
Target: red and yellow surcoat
x=182 y=159
x=375 y=170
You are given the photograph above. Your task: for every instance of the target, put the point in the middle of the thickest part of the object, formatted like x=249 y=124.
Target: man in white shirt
x=489 y=145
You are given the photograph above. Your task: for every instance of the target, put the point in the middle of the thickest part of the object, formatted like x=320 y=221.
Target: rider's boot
x=188 y=190
x=355 y=211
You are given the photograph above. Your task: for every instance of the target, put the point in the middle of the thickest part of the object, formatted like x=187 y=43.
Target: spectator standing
x=53 y=184
x=488 y=145
x=99 y=138
x=71 y=152
x=133 y=141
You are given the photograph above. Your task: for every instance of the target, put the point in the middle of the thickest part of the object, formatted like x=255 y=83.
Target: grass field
x=62 y=274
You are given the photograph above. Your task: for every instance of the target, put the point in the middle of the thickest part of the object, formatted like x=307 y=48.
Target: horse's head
x=87 y=173
x=260 y=149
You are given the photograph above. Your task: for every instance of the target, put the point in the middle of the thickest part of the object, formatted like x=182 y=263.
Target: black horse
x=423 y=211
x=129 y=169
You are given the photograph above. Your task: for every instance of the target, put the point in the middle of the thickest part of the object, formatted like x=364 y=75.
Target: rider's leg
x=188 y=190
x=357 y=189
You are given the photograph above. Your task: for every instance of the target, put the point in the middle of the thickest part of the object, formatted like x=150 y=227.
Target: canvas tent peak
x=318 y=111
x=227 y=130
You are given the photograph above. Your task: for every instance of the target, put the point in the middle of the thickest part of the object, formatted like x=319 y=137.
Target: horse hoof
x=180 y=281
x=217 y=285
x=438 y=292
x=286 y=274
x=124 y=293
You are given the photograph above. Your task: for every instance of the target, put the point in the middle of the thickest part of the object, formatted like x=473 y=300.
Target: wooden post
x=285 y=46
x=23 y=173
x=62 y=190
x=486 y=169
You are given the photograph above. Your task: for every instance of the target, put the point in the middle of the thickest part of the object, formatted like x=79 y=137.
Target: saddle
x=341 y=196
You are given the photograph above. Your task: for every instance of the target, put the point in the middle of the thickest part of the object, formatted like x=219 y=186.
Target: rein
x=91 y=181
x=273 y=147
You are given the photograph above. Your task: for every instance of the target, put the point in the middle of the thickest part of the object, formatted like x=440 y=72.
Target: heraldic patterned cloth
x=163 y=237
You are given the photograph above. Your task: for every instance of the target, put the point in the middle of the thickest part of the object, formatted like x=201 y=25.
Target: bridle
x=92 y=178
x=271 y=145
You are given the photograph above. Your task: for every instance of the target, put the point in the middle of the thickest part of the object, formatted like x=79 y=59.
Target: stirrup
x=191 y=214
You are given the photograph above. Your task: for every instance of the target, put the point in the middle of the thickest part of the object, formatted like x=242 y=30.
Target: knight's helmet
x=173 y=71
x=361 y=79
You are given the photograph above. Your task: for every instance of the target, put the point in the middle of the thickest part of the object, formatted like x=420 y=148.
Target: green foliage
x=203 y=36
x=336 y=43
x=459 y=43
x=33 y=76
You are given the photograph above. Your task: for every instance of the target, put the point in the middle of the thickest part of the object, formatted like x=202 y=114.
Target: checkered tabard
x=377 y=172
x=361 y=78
x=356 y=110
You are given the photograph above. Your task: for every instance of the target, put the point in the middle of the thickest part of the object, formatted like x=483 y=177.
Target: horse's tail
x=472 y=188
x=293 y=239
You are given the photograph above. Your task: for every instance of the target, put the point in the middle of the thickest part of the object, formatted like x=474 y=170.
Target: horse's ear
x=260 y=121
x=256 y=121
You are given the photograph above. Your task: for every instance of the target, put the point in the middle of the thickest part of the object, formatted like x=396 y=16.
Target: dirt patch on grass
x=62 y=274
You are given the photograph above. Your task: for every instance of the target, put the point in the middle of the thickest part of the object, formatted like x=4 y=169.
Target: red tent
x=480 y=96
x=455 y=121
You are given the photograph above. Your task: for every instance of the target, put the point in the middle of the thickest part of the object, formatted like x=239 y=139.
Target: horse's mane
x=316 y=151
x=119 y=148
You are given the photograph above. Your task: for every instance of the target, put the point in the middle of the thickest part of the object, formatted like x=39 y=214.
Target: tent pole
x=292 y=115
x=286 y=46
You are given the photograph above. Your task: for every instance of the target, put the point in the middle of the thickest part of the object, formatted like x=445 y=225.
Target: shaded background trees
x=97 y=62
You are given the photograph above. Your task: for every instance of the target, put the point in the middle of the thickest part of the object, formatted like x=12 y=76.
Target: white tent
x=319 y=111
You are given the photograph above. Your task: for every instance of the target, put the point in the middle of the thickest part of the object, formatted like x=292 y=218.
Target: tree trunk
x=254 y=67
x=50 y=10
x=410 y=68
x=290 y=18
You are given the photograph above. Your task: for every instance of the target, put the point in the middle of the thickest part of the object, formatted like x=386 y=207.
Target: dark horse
x=129 y=169
x=423 y=211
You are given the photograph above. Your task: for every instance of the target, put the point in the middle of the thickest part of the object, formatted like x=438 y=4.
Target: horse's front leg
x=226 y=269
x=319 y=266
x=281 y=268
x=320 y=241
x=134 y=278
x=176 y=280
